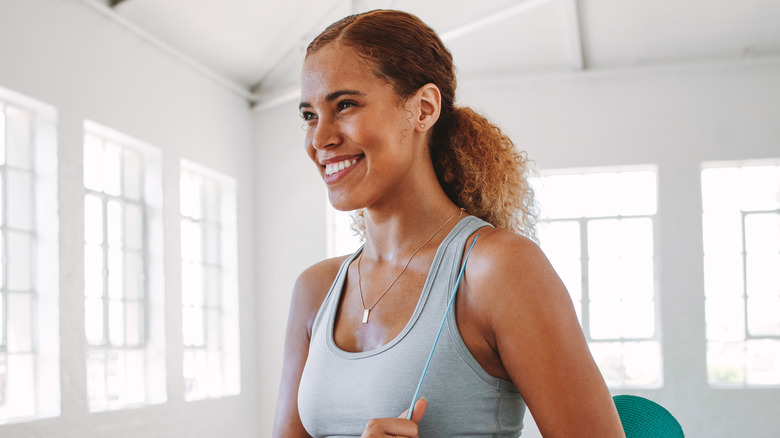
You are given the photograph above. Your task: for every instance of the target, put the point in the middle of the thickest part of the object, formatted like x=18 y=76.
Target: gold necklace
x=367 y=310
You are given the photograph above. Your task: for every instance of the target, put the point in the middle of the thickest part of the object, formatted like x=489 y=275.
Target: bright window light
x=741 y=223
x=209 y=283
x=597 y=228
x=123 y=281
x=341 y=239
x=29 y=260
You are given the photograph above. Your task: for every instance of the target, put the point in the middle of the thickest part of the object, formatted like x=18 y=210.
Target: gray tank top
x=341 y=391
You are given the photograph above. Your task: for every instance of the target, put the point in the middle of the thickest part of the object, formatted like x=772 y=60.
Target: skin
x=514 y=314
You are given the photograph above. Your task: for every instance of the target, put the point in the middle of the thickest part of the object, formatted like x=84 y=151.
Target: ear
x=428 y=98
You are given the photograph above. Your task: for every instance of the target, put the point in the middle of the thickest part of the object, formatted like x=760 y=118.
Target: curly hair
x=476 y=164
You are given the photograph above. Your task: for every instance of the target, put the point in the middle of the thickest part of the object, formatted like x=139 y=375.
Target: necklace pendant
x=365 y=315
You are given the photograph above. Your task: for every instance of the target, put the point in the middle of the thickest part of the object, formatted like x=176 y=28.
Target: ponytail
x=480 y=171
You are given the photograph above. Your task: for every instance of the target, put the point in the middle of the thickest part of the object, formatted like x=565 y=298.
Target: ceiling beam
x=494 y=17
x=574 y=29
x=170 y=51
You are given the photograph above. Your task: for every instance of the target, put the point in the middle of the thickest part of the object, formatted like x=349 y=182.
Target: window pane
x=132 y=174
x=134 y=286
x=2 y=134
x=136 y=377
x=20 y=312
x=93 y=271
x=212 y=244
x=115 y=376
x=116 y=322
x=2 y=331
x=192 y=284
x=191 y=247
x=212 y=201
x=726 y=363
x=725 y=319
x=762 y=233
x=761 y=359
x=763 y=319
x=133 y=226
x=215 y=373
x=112 y=174
x=93 y=321
x=190 y=197
x=116 y=267
x=134 y=323
x=723 y=276
x=96 y=379
x=561 y=243
x=19 y=259
x=214 y=329
x=763 y=274
x=213 y=287
x=21 y=385
x=114 y=222
x=20 y=200
x=609 y=358
x=194 y=330
x=93 y=219
x=642 y=361
x=562 y=196
x=19 y=125
x=93 y=163
x=195 y=374
x=605 y=319
x=758 y=187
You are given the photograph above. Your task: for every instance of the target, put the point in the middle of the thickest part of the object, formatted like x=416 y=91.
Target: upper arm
x=531 y=323
x=309 y=291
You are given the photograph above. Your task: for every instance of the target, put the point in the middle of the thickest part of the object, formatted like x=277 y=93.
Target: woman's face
x=359 y=133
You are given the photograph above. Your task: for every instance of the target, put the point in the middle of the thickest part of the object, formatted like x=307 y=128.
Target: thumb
x=420 y=407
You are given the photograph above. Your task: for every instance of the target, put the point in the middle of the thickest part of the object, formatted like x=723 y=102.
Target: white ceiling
x=258 y=45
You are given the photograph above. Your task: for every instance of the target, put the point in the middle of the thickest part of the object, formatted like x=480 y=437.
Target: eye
x=344 y=104
x=308 y=115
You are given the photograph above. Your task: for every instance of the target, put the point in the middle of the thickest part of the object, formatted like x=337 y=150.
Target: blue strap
x=436 y=341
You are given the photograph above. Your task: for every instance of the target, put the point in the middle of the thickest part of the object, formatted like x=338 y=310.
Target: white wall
x=672 y=117
x=86 y=66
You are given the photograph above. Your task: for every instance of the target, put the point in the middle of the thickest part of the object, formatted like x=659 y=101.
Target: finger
x=419 y=409
x=384 y=427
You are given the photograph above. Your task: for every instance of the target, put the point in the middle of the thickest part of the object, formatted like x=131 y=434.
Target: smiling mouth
x=334 y=168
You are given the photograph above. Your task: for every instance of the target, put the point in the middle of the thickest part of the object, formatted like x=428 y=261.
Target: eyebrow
x=333 y=96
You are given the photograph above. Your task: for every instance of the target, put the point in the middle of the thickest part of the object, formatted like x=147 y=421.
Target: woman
x=377 y=100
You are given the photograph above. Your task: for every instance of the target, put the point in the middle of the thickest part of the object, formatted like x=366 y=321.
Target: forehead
x=337 y=67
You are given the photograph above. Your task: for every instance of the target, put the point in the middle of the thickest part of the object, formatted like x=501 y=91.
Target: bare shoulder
x=312 y=286
x=509 y=274
x=501 y=255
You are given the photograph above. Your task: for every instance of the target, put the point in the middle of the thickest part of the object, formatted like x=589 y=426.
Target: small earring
x=422 y=126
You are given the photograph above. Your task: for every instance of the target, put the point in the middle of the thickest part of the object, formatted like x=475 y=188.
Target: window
x=741 y=226
x=123 y=278
x=597 y=228
x=29 y=260
x=341 y=239
x=209 y=283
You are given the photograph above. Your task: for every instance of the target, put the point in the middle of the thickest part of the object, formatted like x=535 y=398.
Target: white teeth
x=333 y=168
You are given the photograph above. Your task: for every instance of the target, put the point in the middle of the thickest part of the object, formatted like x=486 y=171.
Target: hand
x=397 y=427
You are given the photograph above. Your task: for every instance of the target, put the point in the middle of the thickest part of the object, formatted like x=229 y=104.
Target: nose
x=325 y=134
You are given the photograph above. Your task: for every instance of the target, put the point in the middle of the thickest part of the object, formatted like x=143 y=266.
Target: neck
x=393 y=235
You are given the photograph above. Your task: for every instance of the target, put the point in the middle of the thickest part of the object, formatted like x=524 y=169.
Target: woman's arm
x=525 y=316
x=308 y=294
